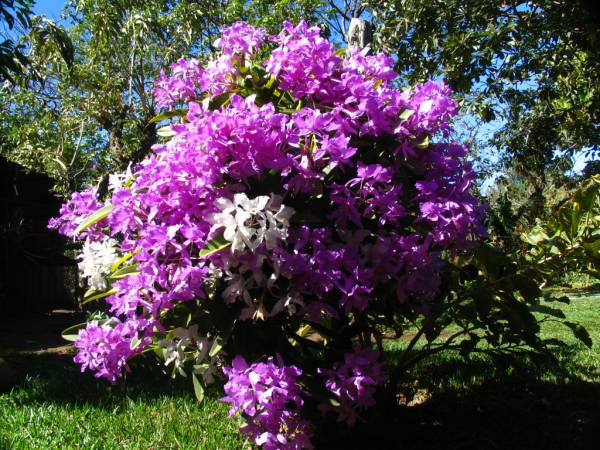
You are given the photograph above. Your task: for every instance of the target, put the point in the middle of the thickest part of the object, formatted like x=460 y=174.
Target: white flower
x=290 y=302
x=174 y=349
x=117 y=180
x=96 y=260
x=250 y=222
x=185 y=346
x=237 y=287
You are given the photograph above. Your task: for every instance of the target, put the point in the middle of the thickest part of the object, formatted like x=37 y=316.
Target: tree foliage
x=77 y=121
x=570 y=240
x=533 y=65
x=13 y=14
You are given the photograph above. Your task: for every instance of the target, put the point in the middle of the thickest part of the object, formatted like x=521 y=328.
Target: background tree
x=14 y=14
x=529 y=69
x=533 y=66
x=76 y=122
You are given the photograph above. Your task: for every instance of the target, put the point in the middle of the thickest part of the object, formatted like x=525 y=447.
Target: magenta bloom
x=240 y=39
x=104 y=348
x=353 y=383
x=270 y=399
x=80 y=206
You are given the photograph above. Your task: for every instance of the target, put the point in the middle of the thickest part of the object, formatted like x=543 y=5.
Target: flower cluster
x=268 y=395
x=105 y=348
x=248 y=222
x=301 y=188
x=96 y=260
x=353 y=383
x=80 y=205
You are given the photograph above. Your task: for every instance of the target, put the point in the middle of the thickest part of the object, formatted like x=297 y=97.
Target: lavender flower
x=105 y=348
x=80 y=206
x=268 y=396
x=240 y=38
x=353 y=384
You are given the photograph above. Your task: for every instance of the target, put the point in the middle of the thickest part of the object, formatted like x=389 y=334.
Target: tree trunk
x=359 y=33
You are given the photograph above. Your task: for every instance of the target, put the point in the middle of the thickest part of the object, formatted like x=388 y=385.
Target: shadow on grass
x=506 y=414
x=457 y=404
x=483 y=404
x=55 y=378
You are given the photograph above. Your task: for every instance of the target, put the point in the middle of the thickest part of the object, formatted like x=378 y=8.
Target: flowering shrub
x=301 y=203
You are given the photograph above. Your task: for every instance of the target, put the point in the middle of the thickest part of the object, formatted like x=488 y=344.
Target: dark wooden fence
x=35 y=275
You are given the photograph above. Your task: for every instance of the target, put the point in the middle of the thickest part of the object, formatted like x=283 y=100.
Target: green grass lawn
x=453 y=404
x=57 y=407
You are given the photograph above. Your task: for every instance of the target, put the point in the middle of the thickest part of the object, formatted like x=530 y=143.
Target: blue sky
x=49 y=8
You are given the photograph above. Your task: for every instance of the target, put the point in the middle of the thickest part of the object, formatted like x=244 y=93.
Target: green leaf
x=334 y=402
x=220 y=100
x=423 y=144
x=165 y=131
x=341 y=52
x=98 y=296
x=214 y=245
x=121 y=260
x=201 y=368
x=94 y=218
x=518 y=314
x=169 y=115
x=593 y=247
x=124 y=272
x=528 y=288
x=406 y=114
x=135 y=343
x=198 y=388
x=491 y=260
x=216 y=347
x=535 y=236
x=580 y=333
x=270 y=83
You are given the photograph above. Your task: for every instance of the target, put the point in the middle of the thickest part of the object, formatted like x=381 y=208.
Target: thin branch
x=333 y=4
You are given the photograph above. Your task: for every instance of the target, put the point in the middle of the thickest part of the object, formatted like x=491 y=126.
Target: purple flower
x=353 y=384
x=208 y=215
x=433 y=107
x=182 y=86
x=105 y=348
x=378 y=67
x=269 y=397
x=240 y=38
x=304 y=61
x=80 y=206
x=445 y=200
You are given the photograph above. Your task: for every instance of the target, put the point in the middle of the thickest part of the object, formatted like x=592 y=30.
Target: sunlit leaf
x=214 y=245
x=93 y=219
x=198 y=388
